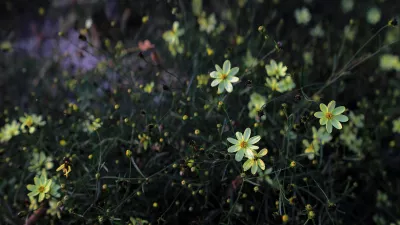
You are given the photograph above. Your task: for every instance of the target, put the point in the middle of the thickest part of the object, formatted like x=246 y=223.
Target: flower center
x=41 y=189
x=243 y=144
x=309 y=149
x=29 y=122
x=224 y=76
x=329 y=115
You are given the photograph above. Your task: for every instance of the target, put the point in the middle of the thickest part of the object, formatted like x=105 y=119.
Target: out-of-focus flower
x=286 y=84
x=53 y=209
x=389 y=62
x=308 y=58
x=172 y=38
x=249 y=60
x=357 y=121
x=276 y=69
x=39 y=161
x=350 y=32
x=145 y=45
x=317 y=31
x=29 y=123
x=202 y=80
x=373 y=15
x=321 y=136
x=149 y=87
x=303 y=16
x=207 y=24
x=255 y=104
x=312 y=148
x=347 y=5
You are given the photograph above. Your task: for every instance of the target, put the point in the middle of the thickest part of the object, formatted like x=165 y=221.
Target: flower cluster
x=28 y=123
x=279 y=81
x=243 y=145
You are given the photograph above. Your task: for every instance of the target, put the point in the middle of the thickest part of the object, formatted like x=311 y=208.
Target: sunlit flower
x=276 y=69
x=321 y=135
x=311 y=148
x=41 y=187
x=331 y=116
x=243 y=145
x=224 y=77
x=303 y=16
x=256 y=162
x=373 y=15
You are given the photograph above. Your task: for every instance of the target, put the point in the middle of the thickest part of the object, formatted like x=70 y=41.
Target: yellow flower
x=65 y=167
x=256 y=162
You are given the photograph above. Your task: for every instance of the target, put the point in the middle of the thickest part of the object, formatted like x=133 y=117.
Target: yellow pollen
x=329 y=115
x=41 y=189
x=243 y=144
x=224 y=76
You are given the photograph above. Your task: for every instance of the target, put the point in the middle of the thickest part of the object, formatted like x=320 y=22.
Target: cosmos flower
x=224 y=77
x=243 y=145
x=331 y=116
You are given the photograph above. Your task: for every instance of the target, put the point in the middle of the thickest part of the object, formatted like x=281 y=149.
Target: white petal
x=247 y=133
x=228 y=86
x=233 y=79
x=214 y=74
x=233 y=71
x=215 y=82
x=233 y=141
x=254 y=140
x=226 y=67
x=221 y=87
